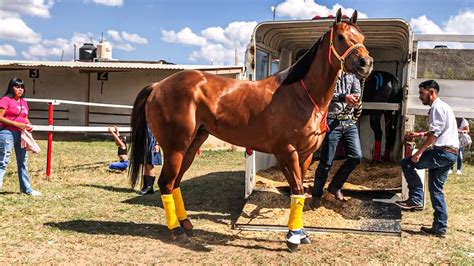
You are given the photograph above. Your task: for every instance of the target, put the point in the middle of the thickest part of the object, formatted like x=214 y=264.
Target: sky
x=190 y=31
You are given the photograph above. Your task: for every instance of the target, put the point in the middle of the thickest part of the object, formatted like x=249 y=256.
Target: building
x=98 y=82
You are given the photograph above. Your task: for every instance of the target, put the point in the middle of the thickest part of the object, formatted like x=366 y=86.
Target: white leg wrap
x=294 y=237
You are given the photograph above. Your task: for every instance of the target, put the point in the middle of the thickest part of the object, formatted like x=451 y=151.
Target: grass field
x=89 y=215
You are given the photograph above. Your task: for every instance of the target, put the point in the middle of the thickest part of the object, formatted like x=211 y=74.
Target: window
x=261 y=67
x=275 y=65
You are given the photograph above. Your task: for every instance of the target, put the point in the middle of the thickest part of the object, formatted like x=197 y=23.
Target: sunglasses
x=19 y=86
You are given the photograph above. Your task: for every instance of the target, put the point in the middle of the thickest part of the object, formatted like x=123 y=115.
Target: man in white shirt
x=442 y=136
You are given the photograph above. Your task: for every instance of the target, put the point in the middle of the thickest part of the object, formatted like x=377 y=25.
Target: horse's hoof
x=304 y=237
x=178 y=235
x=293 y=239
x=292 y=247
x=188 y=227
x=305 y=240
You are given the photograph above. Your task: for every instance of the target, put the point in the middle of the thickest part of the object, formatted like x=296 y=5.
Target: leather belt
x=447 y=148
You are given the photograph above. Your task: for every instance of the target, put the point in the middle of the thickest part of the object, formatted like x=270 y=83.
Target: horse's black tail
x=139 y=140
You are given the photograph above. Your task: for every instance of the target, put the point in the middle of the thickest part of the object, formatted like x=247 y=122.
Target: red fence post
x=50 y=140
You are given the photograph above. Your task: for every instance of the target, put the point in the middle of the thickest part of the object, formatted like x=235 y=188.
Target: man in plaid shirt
x=342 y=127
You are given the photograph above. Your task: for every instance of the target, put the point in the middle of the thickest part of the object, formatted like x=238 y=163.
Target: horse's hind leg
x=184 y=221
x=169 y=172
x=375 y=125
x=391 y=119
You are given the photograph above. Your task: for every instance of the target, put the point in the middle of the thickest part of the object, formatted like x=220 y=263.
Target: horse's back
x=204 y=97
x=382 y=86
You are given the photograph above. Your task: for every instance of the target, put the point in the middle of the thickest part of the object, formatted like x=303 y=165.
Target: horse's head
x=347 y=47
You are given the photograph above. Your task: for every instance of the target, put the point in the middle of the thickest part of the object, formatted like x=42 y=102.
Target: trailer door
x=453 y=69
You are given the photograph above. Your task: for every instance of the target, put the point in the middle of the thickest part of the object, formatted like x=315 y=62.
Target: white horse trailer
x=276 y=45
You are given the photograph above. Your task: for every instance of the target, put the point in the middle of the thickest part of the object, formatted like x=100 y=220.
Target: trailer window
x=275 y=65
x=261 y=65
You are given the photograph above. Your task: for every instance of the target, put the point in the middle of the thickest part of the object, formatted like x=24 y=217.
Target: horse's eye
x=340 y=37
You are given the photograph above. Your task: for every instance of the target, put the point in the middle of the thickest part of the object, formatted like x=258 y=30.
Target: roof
x=20 y=64
x=294 y=35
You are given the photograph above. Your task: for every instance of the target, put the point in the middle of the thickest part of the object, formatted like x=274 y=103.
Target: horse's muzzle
x=363 y=66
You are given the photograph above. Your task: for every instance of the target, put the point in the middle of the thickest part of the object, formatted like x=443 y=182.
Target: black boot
x=147 y=185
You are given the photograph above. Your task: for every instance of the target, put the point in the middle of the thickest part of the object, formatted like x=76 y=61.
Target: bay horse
x=284 y=114
x=382 y=86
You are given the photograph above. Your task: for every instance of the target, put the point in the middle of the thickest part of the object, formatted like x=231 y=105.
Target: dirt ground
x=89 y=215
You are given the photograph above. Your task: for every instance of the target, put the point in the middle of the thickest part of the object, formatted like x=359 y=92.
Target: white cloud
x=240 y=32
x=15 y=29
x=121 y=40
x=214 y=34
x=219 y=44
x=125 y=46
x=34 y=8
x=53 y=49
x=216 y=43
x=185 y=36
x=215 y=53
x=463 y=23
x=307 y=9
x=41 y=52
x=118 y=3
x=81 y=38
x=8 y=14
x=115 y=35
x=60 y=42
x=133 y=37
x=7 y=50
x=424 y=25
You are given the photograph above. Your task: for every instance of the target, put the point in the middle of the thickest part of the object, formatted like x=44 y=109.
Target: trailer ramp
x=364 y=212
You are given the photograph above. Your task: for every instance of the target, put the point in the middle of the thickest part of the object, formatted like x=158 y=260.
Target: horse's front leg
x=290 y=165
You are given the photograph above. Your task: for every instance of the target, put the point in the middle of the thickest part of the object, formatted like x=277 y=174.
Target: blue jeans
x=438 y=164
x=152 y=157
x=8 y=140
x=345 y=131
x=459 y=159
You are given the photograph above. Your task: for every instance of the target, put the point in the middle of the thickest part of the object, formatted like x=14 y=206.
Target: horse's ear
x=354 y=17
x=338 y=17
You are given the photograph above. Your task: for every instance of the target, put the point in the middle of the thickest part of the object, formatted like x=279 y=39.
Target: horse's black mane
x=299 y=69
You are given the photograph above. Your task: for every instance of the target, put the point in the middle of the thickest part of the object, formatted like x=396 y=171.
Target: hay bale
x=367 y=176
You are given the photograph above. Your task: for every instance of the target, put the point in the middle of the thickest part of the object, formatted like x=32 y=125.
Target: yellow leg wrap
x=179 y=203
x=170 y=211
x=296 y=212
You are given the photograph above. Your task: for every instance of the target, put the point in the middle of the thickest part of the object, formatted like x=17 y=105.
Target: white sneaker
x=458 y=172
x=450 y=171
x=34 y=193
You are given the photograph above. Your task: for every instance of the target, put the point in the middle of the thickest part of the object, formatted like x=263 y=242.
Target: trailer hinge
x=413 y=56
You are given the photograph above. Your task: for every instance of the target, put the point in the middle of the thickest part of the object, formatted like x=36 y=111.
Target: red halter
x=342 y=58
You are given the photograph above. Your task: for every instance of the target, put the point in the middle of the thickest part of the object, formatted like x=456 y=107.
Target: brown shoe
x=408 y=205
x=337 y=194
x=430 y=231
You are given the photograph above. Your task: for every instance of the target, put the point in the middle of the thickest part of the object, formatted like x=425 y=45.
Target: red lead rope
x=324 y=123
